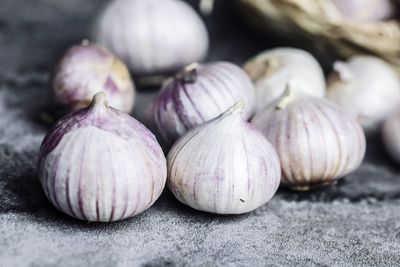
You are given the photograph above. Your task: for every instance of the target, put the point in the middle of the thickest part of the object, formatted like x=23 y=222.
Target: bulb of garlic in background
x=366 y=10
x=316 y=142
x=195 y=95
x=366 y=88
x=88 y=68
x=271 y=70
x=391 y=135
x=100 y=164
x=153 y=36
x=224 y=166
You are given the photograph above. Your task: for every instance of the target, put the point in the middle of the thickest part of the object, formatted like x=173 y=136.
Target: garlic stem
x=189 y=73
x=99 y=101
x=343 y=71
x=286 y=97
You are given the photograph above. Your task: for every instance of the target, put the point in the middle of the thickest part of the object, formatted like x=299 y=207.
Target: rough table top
x=354 y=223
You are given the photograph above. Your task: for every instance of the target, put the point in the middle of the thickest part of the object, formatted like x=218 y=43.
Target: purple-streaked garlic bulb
x=224 y=166
x=153 y=36
x=197 y=94
x=100 y=164
x=366 y=10
x=391 y=135
x=271 y=70
x=366 y=88
x=85 y=70
x=316 y=142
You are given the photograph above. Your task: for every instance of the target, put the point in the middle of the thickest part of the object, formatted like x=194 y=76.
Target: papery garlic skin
x=366 y=10
x=224 y=166
x=100 y=164
x=366 y=88
x=271 y=71
x=197 y=94
x=316 y=142
x=85 y=70
x=153 y=36
x=391 y=135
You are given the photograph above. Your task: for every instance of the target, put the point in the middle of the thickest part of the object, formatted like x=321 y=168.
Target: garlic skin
x=365 y=10
x=195 y=95
x=271 y=70
x=224 y=166
x=391 y=135
x=100 y=164
x=316 y=142
x=152 y=36
x=86 y=69
x=366 y=88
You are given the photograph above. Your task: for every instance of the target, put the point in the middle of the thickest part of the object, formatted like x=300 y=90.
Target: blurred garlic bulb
x=224 y=166
x=366 y=88
x=100 y=164
x=85 y=70
x=391 y=135
x=366 y=10
x=153 y=36
x=271 y=70
x=197 y=94
x=316 y=142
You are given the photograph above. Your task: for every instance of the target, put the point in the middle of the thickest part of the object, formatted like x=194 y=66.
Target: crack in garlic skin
x=223 y=166
x=316 y=142
x=273 y=69
x=100 y=164
x=182 y=105
x=366 y=88
x=153 y=36
x=87 y=69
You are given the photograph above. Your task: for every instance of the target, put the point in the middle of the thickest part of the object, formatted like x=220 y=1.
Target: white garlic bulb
x=366 y=88
x=86 y=69
x=271 y=71
x=366 y=10
x=100 y=164
x=224 y=166
x=197 y=94
x=316 y=142
x=391 y=135
x=153 y=36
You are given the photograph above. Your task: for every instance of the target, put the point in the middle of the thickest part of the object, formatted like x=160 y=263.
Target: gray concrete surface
x=354 y=223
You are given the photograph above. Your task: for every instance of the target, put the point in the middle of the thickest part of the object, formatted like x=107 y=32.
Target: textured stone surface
x=354 y=223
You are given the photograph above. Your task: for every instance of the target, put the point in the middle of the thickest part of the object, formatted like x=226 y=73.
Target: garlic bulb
x=224 y=166
x=87 y=69
x=197 y=94
x=153 y=36
x=271 y=70
x=391 y=135
x=100 y=164
x=316 y=142
x=366 y=88
x=366 y=10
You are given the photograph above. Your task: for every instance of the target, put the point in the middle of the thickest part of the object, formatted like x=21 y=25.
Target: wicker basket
x=321 y=24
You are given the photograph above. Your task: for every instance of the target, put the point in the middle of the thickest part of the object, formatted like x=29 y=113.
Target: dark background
x=356 y=222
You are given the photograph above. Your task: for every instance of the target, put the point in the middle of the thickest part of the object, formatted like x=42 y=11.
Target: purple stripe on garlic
x=272 y=69
x=100 y=164
x=366 y=88
x=316 y=142
x=224 y=166
x=153 y=36
x=197 y=94
x=86 y=69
